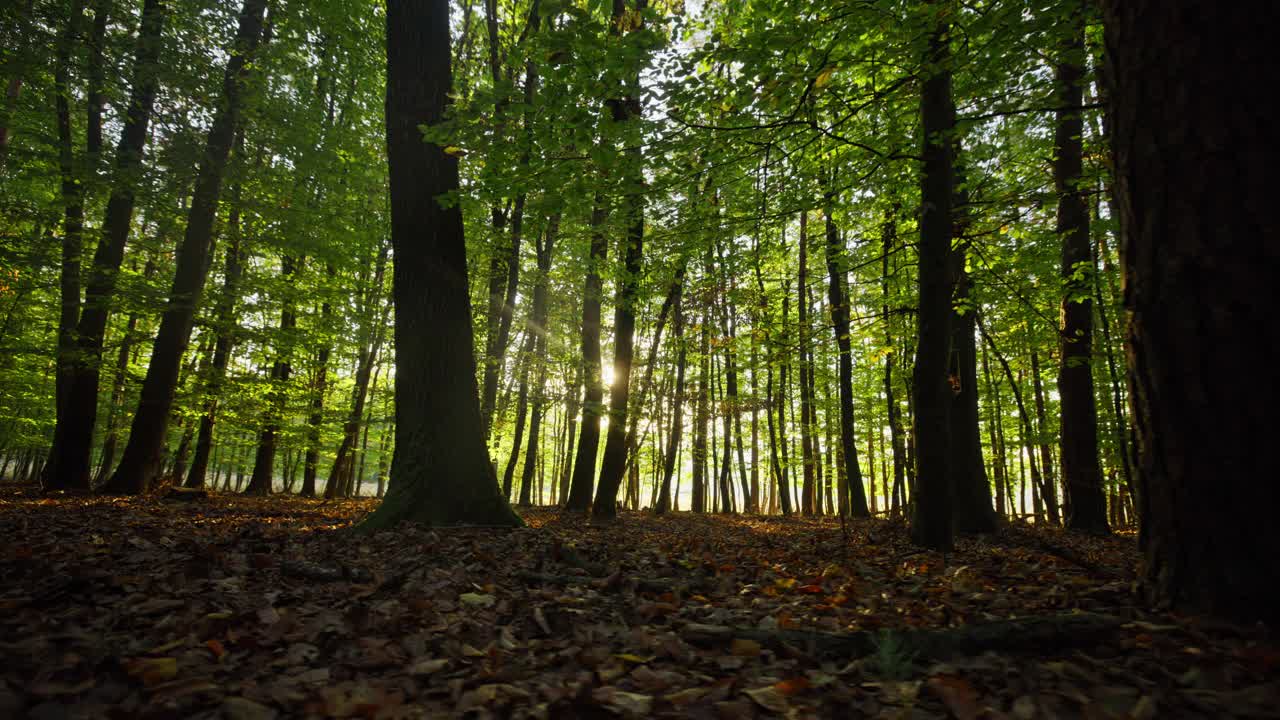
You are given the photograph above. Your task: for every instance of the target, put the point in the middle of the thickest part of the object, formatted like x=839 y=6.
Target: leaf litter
x=255 y=609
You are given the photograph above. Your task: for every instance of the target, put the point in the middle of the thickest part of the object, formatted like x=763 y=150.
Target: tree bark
x=73 y=435
x=584 y=464
x=1081 y=471
x=140 y=463
x=440 y=474
x=1194 y=148
x=1048 y=491
x=225 y=315
x=264 y=461
x=545 y=246
x=931 y=525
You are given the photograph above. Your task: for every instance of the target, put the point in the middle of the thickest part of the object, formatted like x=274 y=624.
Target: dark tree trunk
x=264 y=461
x=226 y=328
x=808 y=491
x=344 y=461
x=854 y=500
x=319 y=388
x=1194 y=148
x=931 y=525
x=677 y=405
x=584 y=463
x=73 y=435
x=701 y=413
x=523 y=359
x=1048 y=491
x=995 y=433
x=72 y=240
x=971 y=487
x=572 y=402
x=140 y=463
x=1081 y=472
x=893 y=412
x=625 y=111
x=441 y=474
x=545 y=245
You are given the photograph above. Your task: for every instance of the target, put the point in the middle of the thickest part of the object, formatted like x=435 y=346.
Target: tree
x=932 y=526
x=140 y=463
x=1193 y=147
x=441 y=474
x=1081 y=472
x=73 y=435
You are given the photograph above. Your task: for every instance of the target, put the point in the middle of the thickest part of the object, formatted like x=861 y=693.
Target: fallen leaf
x=769 y=698
x=152 y=671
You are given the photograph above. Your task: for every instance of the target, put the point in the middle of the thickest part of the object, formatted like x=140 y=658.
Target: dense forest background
x=717 y=204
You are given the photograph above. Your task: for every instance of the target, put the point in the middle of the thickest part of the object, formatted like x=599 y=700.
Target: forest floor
x=254 y=609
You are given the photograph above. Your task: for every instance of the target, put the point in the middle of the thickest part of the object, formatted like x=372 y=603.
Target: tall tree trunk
x=1049 y=491
x=139 y=464
x=854 y=499
x=73 y=435
x=441 y=474
x=698 y=498
x=995 y=416
x=523 y=360
x=109 y=443
x=893 y=412
x=571 y=407
x=971 y=488
x=1193 y=149
x=319 y=388
x=72 y=234
x=931 y=525
x=1081 y=471
x=343 y=461
x=584 y=464
x=544 y=247
x=225 y=314
x=264 y=461
x=808 y=490
x=625 y=110
x=677 y=406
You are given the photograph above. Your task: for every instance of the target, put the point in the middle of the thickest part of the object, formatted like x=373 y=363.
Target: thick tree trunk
x=73 y=435
x=1194 y=150
x=140 y=463
x=972 y=489
x=931 y=525
x=441 y=474
x=1081 y=471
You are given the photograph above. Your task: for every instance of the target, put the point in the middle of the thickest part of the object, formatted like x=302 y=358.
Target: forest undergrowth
x=260 y=608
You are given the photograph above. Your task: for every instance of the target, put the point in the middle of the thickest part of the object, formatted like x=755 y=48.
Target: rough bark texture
x=1194 y=155
x=73 y=436
x=140 y=463
x=440 y=474
x=931 y=525
x=1081 y=471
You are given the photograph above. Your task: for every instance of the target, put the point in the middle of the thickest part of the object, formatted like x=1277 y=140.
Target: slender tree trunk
x=523 y=360
x=315 y=420
x=808 y=491
x=698 y=498
x=545 y=245
x=226 y=329
x=625 y=111
x=571 y=407
x=264 y=462
x=1049 y=491
x=677 y=406
x=584 y=465
x=139 y=464
x=854 y=500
